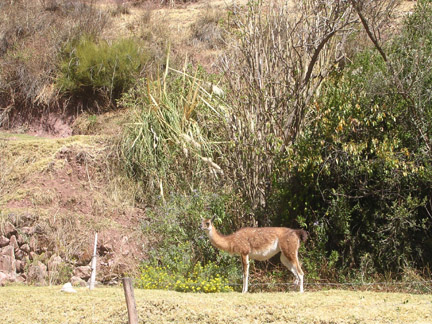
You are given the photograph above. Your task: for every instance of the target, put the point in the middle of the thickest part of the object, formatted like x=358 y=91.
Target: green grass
x=20 y=304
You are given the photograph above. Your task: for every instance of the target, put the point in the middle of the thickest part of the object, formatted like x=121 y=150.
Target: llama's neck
x=218 y=240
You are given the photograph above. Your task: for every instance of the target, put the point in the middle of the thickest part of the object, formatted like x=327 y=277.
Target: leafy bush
x=88 y=66
x=177 y=241
x=359 y=176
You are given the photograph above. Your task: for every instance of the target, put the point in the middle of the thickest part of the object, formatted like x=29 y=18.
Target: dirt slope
x=54 y=195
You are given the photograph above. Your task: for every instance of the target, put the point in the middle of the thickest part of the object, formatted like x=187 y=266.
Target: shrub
x=207 y=30
x=359 y=176
x=200 y=279
x=33 y=32
x=357 y=181
x=177 y=241
x=88 y=66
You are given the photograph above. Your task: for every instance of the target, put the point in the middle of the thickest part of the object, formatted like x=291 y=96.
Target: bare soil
x=65 y=191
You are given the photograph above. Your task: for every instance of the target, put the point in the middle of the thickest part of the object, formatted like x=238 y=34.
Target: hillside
x=58 y=184
x=55 y=194
x=60 y=181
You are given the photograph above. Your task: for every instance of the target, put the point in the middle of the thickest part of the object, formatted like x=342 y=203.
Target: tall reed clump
x=173 y=141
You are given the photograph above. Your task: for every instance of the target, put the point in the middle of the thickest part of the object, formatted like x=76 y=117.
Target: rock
x=13 y=242
x=33 y=255
x=19 y=254
x=20 y=239
x=6 y=277
x=7 y=264
x=22 y=278
x=105 y=248
x=9 y=229
x=83 y=272
x=54 y=262
x=77 y=281
x=67 y=288
x=4 y=241
x=27 y=230
x=37 y=273
x=12 y=277
x=83 y=257
x=3 y=278
x=20 y=265
x=25 y=248
x=7 y=260
x=8 y=250
x=33 y=244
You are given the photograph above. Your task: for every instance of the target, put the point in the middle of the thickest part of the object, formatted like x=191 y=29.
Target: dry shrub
x=154 y=31
x=172 y=3
x=33 y=33
x=121 y=8
x=207 y=30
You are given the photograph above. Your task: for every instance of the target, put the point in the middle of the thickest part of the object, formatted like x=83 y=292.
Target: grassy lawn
x=20 y=304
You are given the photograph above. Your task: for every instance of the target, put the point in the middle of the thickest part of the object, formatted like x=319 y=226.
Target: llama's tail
x=302 y=234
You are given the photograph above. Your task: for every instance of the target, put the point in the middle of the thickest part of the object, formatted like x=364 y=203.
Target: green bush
x=89 y=67
x=359 y=176
x=32 y=34
x=178 y=242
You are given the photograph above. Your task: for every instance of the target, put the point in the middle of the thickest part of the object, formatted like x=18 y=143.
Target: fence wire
x=418 y=286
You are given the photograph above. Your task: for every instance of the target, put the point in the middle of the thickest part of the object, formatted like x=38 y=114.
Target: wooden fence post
x=93 y=265
x=130 y=301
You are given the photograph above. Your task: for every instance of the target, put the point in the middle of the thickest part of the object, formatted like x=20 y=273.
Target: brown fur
x=260 y=243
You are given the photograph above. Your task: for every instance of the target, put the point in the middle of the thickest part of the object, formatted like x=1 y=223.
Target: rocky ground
x=55 y=194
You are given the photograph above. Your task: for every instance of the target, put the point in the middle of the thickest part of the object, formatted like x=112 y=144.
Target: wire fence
x=415 y=286
x=389 y=309
x=419 y=286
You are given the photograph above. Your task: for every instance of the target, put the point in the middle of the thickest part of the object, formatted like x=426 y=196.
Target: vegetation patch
x=200 y=279
x=89 y=66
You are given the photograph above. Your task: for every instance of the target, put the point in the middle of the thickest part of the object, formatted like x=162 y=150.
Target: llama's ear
x=213 y=218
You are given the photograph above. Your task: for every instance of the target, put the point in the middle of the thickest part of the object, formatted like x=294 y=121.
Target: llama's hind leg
x=245 y=264
x=293 y=265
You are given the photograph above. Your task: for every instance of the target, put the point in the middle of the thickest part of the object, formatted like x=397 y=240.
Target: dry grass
x=19 y=304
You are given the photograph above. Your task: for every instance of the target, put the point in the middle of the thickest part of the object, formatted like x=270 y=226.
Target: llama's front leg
x=245 y=264
x=296 y=270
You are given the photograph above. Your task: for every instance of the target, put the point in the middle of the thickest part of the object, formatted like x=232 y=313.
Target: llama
x=260 y=243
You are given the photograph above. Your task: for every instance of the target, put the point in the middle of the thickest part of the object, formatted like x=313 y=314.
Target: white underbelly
x=266 y=252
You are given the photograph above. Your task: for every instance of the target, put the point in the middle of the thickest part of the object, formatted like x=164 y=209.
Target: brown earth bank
x=55 y=194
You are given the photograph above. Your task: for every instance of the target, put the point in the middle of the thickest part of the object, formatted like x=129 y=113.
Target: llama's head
x=207 y=224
